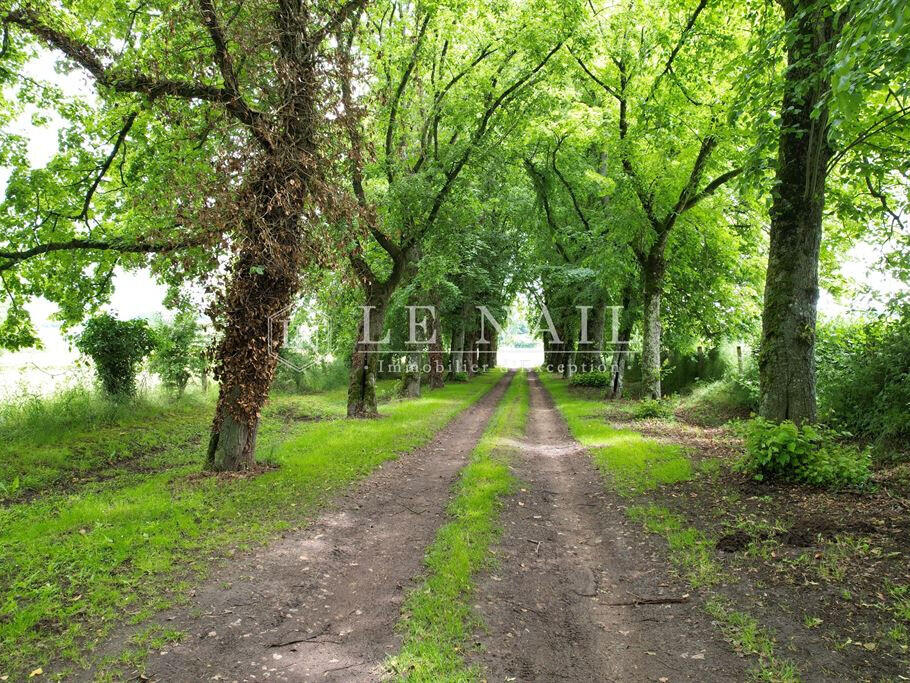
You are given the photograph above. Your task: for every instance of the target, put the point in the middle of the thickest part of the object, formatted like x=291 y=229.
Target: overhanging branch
x=106 y=75
x=12 y=258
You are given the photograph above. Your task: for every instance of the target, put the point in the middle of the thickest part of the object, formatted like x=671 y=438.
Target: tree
x=116 y=347
x=220 y=115
x=666 y=140
x=179 y=351
x=822 y=40
x=440 y=88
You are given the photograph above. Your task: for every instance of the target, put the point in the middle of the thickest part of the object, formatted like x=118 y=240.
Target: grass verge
x=633 y=465
x=437 y=618
x=77 y=561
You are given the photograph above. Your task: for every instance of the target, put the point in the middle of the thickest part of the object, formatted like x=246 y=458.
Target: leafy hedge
x=599 y=380
x=863 y=371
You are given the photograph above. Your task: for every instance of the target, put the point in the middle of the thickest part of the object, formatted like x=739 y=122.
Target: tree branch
x=571 y=192
x=90 y=60
x=679 y=44
x=337 y=19
x=883 y=200
x=106 y=164
x=479 y=133
x=432 y=116
x=594 y=78
x=15 y=257
x=540 y=188
x=396 y=98
x=687 y=194
x=712 y=187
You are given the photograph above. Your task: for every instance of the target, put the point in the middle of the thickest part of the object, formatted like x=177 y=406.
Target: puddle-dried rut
x=580 y=593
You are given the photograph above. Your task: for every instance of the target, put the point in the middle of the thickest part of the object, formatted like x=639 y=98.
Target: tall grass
x=41 y=419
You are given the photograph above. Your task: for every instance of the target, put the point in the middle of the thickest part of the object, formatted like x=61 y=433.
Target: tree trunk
x=458 y=340
x=620 y=357
x=247 y=354
x=494 y=349
x=621 y=345
x=652 y=274
x=598 y=324
x=470 y=354
x=411 y=375
x=787 y=352
x=435 y=376
x=362 y=380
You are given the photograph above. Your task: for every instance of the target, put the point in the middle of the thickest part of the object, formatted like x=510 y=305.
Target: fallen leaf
x=36 y=672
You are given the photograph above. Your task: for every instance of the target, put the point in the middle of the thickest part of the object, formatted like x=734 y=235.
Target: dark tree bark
x=787 y=353
x=458 y=341
x=596 y=334
x=494 y=349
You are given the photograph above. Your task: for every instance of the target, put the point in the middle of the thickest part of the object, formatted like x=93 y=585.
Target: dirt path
x=558 y=605
x=322 y=604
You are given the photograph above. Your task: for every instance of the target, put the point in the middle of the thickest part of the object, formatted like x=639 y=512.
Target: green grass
x=633 y=466
x=75 y=435
x=76 y=560
x=749 y=638
x=690 y=550
x=633 y=463
x=437 y=617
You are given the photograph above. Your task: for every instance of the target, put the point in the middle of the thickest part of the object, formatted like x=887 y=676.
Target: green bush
x=652 y=407
x=117 y=347
x=808 y=454
x=599 y=380
x=863 y=373
x=179 y=352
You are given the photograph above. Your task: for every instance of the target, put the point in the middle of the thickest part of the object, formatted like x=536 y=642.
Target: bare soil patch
x=822 y=569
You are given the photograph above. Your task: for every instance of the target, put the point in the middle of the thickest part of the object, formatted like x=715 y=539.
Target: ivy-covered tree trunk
x=261 y=286
x=364 y=359
x=494 y=349
x=652 y=276
x=787 y=353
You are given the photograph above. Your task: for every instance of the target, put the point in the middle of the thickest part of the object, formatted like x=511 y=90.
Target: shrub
x=652 y=407
x=116 y=347
x=599 y=380
x=864 y=378
x=179 y=352
x=808 y=454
